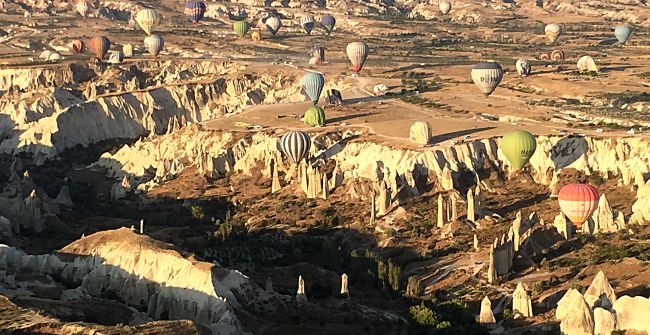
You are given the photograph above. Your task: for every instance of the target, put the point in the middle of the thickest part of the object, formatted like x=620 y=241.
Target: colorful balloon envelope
x=328 y=22
x=557 y=55
x=518 y=147
x=307 y=22
x=99 y=46
x=578 y=202
x=154 y=44
x=194 y=10
x=357 y=53
x=241 y=28
x=295 y=145
x=444 y=6
x=315 y=116
x=487 y=76
x=256 y=36
x=313 y=83
x=318 y=52
x=552 y=32
x=623 y=33
x=147 y=19
x=273 y=24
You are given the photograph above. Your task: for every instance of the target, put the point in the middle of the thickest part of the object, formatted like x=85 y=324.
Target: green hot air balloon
x=315 y=116
x=623 y=33
x=518 y=146
x=241 y=28
x=312 y=83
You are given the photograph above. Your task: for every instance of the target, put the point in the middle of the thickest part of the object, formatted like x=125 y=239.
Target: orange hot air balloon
x=99 y=46
x=76 y=46
x=578 y=202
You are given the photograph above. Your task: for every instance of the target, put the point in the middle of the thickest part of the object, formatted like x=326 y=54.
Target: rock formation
x=470 y=205
x=600 y=293
x=632 y=313
x=269 y=284
x=373 y=208
x=454 y=207
x=521 y=301
x=574 y=314
x=441 y=212
x=325 y=188
x=486 y=317
x=301 y=296
x=604 y=321
x=501 y=257
x=602 y=221
x=475 y=244
x=344 y=285
x=563 y=226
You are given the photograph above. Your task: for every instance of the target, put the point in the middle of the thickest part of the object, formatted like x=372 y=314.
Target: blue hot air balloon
x=328 y=22
x=195 y=10
x=623 y=33
x=312 y=83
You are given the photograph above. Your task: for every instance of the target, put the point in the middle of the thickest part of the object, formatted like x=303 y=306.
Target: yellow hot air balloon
x=147 y=19
x=256 y=36
x=552 y=32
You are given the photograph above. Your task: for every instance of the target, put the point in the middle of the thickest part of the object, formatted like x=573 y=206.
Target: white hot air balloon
x=273 y=24
x=523 y=67
x=127 y=50
x=307 y=22
x=116 y=57
x=154 y=44
x=444 y=6
x=295 y=145
x=420 y=133
x=587 y=63
x=552 y=32
x=357 y=53
x=487 y=76
x=147 y=19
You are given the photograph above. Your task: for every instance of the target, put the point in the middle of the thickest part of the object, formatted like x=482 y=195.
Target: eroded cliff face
x=143 y=273
x=174 y=95
x=406 y=171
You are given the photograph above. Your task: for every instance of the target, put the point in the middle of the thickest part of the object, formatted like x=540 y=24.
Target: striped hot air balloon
x=307 y=22
x=194 y=10
x=328 y=22
x=76 y=46
x=523 y=67
x=544 y=56
x=444 y=6
x=557 y=55
x=315 y=116
x=295 y=145
x=552 y=32
x=147 y=19
x=578 y=202
x=313 y=83
x=318 y=52
x=487 y=76
x=154 y=44
x=273 y=24
x=83 y=8
x=518 y=147
x=241 y=28
x=116 y=57
x=99 y=46
x=357 y=53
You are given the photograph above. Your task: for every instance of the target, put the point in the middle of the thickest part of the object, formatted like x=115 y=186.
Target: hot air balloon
x=256 y=36
x=273 y=24
x=328 y=22
x=147 y=19
x=544 y=56
x=523 y=67
x=623 y=33
x=154 y=44
x=586 y=63
x=315 y=61
x=315 y=116
x=116 y=57
x=99 y=46
x=83 y=8
x=518 y=146
x=241 y=28
x=357 y=52
x=420 y=133
x=194 y=10
x=313 y=83
x=552 y=32
x=318 y=52
x=578 y=202
x=557 y=55
x=295 y=145
x=307 y=22
x=445 y=7
x=487 y=76
x=76 y=46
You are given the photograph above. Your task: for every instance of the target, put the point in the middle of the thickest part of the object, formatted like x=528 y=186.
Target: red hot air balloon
x=578 y=202
x=99 y=46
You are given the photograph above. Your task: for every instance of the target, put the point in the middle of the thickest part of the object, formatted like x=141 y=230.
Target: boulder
x=574 y=314
x=604 y=321
x=633 y=313
x=486 y=317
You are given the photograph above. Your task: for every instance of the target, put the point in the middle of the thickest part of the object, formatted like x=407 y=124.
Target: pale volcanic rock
x=521 y=301
x=632 y=313
x=563 y=226
x=486 y=317
x=641 y=207
x=604 y=321
x=600 y=293
x=574 y=314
